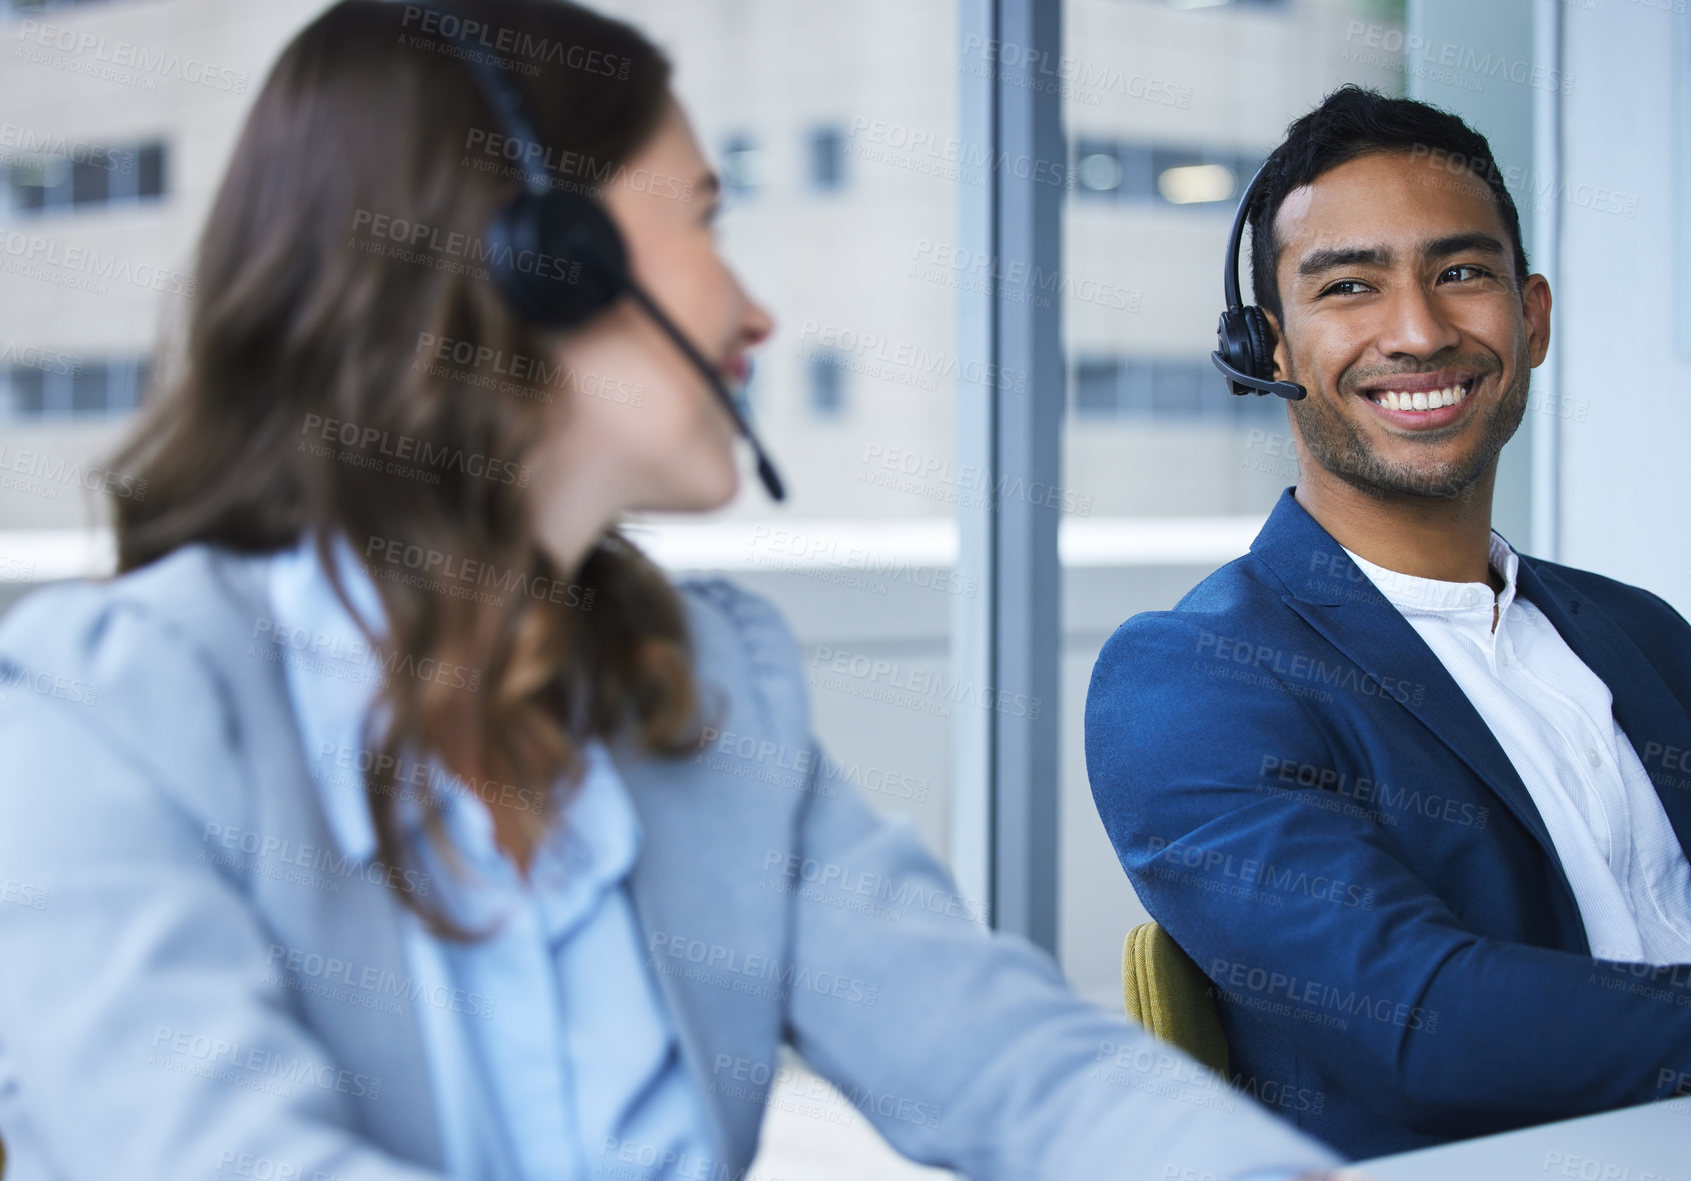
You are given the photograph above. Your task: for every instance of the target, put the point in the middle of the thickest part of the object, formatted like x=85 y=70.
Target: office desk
x=1651 y=1142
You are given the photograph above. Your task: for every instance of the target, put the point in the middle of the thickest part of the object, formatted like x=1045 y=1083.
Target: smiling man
x=1407 y=797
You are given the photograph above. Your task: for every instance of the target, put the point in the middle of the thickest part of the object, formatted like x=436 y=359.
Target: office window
x=1162 y=389
x=1177 y=388
x=1165 y=174
x=750 y=394
x=1097 y=386
x=91 y=177
x=34 y=183
x=1098 y=168
x=26 y=392
x=149 y=170
x=827 y=383
x=1187 y=176
x=67 y=388
x=742 y=165
x=88 y=180
x=825 y=155
x=1136 y=395
x=1114 y=170
x=32 y=6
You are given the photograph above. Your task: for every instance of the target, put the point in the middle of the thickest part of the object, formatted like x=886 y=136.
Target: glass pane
x=32 y=180
x=1187 y=100
x=29 y=391
x=827 y=384
x=827 y=158
x=741 y=165
x=88 y=389
x=149 y=170
x=842 y=220
x=88 y=182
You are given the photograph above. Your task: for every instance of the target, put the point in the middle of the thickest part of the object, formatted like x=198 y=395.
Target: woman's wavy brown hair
x=300 y=321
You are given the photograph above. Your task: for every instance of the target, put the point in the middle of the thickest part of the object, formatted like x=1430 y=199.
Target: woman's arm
x=974 y=1054
x=966 y=1049
x=134 y=1000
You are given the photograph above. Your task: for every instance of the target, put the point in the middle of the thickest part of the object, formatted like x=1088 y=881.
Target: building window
x=149 y=170
x=1115 y=170
x=1160 y=388
x=1191 y=4
x=43 y=5
x=27 y=392
x=88 y=177
x=58 y=386
x=825 y=154
x=1161 y=174
x=827 y=383
x=1097 y=387
x=742 y=166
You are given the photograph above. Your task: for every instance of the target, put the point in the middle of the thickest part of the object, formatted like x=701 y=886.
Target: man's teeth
x=1421 y=400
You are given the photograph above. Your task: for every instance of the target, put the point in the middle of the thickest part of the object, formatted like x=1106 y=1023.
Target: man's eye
x=1466 y=273
x=1346 y=287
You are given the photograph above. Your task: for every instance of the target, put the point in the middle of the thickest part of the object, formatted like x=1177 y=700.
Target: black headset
x=572 y=227
x=1244 y=348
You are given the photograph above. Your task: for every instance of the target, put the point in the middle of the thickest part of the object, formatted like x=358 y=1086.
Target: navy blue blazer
x=1307 y=802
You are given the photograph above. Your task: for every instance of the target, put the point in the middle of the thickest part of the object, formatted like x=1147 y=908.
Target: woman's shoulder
x=141 y=660
x=184 y=595
x=743 y=643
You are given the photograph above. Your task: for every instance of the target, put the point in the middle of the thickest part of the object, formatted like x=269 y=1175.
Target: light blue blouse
x=551 y=1052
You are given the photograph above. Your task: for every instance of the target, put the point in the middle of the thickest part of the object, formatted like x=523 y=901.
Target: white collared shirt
x=1555 y=720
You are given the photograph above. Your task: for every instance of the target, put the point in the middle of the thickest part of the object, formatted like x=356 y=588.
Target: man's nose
x=1414 y=324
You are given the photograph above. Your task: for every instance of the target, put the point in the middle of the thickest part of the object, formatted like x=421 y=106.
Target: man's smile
x=1421 y=401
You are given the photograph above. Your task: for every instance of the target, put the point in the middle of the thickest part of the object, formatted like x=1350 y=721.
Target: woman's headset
x=571 y=227
x=1245 y=346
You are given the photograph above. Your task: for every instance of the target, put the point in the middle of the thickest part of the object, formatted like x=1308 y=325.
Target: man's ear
x=1282 y=359
x=1535 y=308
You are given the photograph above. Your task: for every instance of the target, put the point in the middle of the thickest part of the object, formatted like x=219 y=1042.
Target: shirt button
x=1593 y=757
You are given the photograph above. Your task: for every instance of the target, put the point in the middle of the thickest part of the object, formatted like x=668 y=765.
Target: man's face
x=1401 y=317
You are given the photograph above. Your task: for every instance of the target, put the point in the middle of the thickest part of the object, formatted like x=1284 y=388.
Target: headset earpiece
x=1244 y=341
x=1244 y=345
x=558 y=258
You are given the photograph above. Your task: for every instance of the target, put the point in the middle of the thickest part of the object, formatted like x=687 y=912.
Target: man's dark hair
x=1354 y=121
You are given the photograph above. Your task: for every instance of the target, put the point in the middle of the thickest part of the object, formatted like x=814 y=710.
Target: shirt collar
x=1412 y=595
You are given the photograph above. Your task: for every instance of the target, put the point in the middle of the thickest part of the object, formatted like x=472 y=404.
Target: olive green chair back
x=1170 y=996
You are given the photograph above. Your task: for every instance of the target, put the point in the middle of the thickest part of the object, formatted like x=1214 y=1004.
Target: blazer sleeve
x=1371 y=974
x=965 y=1048
x=134 y=1008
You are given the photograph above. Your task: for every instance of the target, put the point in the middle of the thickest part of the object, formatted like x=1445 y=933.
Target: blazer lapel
x=670 y=902
x=1644 y=705
x=361 y=923
x=1332 y=594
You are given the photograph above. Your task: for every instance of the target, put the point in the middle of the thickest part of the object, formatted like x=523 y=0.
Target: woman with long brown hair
x=373 y=824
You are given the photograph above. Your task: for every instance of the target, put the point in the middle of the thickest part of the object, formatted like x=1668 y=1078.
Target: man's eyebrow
x=1344 y=256
x=1474 y=240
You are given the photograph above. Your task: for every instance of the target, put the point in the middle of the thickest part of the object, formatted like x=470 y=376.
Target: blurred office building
x=836 y=128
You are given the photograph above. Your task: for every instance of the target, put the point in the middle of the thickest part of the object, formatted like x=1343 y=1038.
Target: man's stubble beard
x=1335 y=443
